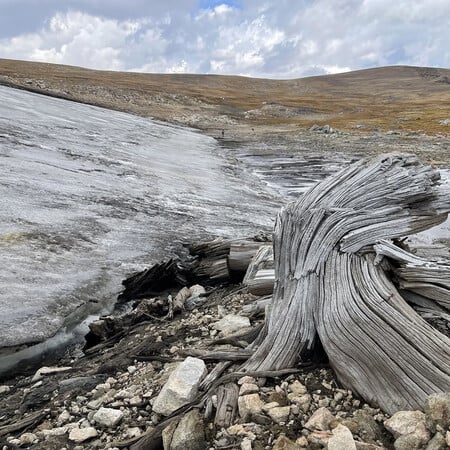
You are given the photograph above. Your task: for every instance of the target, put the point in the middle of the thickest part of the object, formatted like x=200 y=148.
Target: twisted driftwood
x=331 y=285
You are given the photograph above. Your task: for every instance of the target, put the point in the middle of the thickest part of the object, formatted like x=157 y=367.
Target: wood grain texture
x=333 y=285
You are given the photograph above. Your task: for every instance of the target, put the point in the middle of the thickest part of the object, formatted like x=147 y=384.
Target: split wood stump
x=332 y=285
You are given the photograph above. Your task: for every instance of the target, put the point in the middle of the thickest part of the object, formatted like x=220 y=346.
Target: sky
x=280 y=39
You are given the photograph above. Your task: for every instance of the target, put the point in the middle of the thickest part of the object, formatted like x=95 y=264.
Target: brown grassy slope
x=389 y=98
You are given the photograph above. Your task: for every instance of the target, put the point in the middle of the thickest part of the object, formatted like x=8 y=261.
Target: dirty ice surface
x=89 y=196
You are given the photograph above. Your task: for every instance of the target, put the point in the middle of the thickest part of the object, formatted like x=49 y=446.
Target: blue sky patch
x=209 y=4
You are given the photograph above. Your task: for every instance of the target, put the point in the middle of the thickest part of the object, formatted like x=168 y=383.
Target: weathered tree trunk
x=331 y=285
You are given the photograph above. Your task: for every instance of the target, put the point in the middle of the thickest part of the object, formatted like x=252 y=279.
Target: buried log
x=331 y=286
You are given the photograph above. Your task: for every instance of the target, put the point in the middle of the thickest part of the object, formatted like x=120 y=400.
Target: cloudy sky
x=270 y=39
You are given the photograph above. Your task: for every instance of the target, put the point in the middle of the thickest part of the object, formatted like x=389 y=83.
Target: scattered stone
x=196 y=298
x=28 y=439
x=231 y=323
x=283 y=443
x=268 y=406
x=58 y=431
x=407 y=422
x=63 y=418
x=302 y=441
x=412 y=441
x=304 y=401
x=108 y=417
x=4 y=389
x=181 y=387
x=246 y=379
x=320 y=420
x=246 y=444
x=297 y=388
x=248 y=388
x=342 y=439
x=279 y=414
x=78 y=435
x=133 y=432
x=437 y=442
x=249 y=405
x=190 y=433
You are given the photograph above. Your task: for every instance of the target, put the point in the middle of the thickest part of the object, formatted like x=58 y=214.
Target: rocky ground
x=137 y=373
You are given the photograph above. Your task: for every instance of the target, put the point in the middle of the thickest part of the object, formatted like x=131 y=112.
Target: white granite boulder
x=108 y=417
x=181 y=387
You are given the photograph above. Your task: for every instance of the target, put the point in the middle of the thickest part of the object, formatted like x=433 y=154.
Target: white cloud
x=282 y=39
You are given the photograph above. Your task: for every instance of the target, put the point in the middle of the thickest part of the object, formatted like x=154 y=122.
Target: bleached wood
x=241 y=254
x=331 y=285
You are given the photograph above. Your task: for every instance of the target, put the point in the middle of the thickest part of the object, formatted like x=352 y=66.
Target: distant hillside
x=389 y=98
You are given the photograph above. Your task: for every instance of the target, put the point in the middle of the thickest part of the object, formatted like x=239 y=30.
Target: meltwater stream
x=89 y=195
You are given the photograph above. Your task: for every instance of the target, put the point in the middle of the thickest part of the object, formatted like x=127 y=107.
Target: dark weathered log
x=153 y=281
x=32 y=420
x=328 y=286
x=227 y=397
x=212 y=269
x=241 y=254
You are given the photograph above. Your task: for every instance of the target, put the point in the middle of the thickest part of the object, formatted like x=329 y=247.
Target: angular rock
x=196 y=297
x=342 y=439
x=248 y=388
x=303 y=401
x=437 y=409
x=78 y=435
x=437 y=442
x=27 y=439
x=302 y=441
x=181 y=387
x=190 y=433
x=4 y=389
x=412 y=441
x=249 y=405
x=246 y=379
x=407 y=422
x=58 y=431
x=246 y=444
x=320 y=420
x=108 y=417
x=231 y=323
x=279 y=414
x=297 y=388
x=283 y=443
